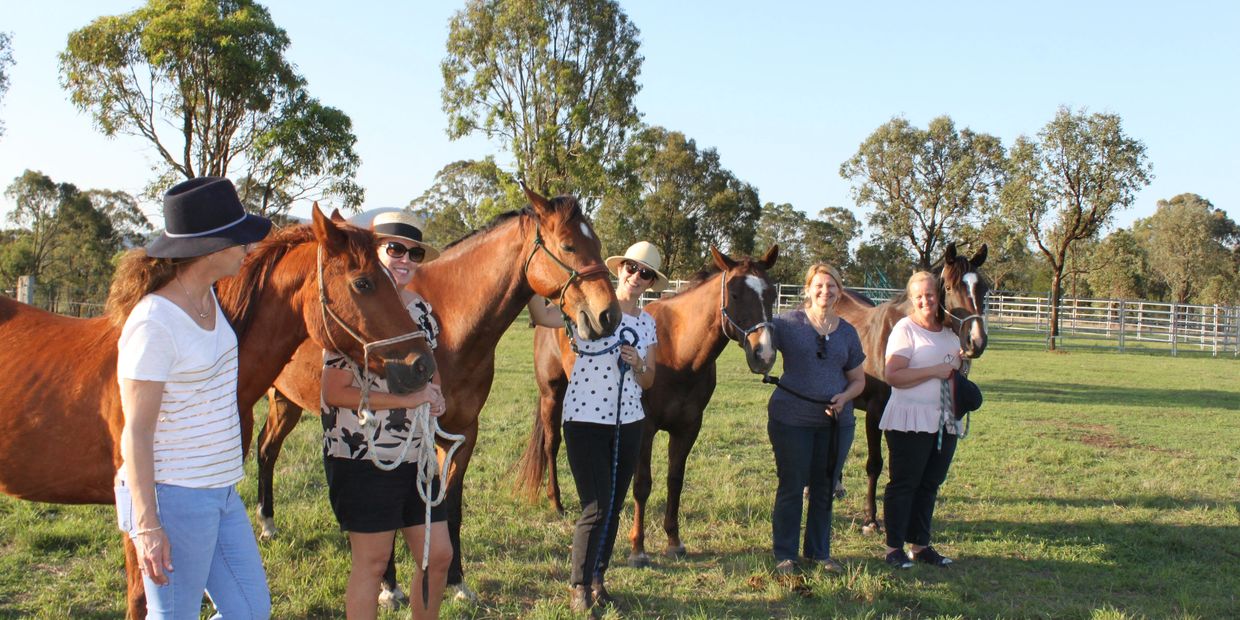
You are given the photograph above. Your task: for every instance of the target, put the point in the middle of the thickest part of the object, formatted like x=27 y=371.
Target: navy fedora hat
x=966 y=396
x=204 y=215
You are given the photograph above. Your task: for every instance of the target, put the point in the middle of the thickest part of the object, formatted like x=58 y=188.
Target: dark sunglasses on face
x=396 y=250
x=645 y=274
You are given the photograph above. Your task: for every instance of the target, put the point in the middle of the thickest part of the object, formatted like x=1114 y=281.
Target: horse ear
x=326 y=230
x=541 y=204
x=979 y=258
x=768 y=259
x=949 y=255
x=722 y=261
x=336 y=216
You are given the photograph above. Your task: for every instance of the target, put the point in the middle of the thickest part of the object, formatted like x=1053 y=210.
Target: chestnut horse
x=477 y=286
x=60 y=392
x=962 y=296
x=732 y=302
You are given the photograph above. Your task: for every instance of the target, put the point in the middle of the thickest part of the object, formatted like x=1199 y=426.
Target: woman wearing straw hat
x=603 y=416
x=372 y=480
x=176 y=493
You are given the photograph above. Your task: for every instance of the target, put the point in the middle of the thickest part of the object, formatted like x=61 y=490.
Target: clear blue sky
x=785 y=91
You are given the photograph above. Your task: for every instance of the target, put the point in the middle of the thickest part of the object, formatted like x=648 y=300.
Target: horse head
x=566 y=266
x=359 y=311
x=746 y=300
x=963 y=297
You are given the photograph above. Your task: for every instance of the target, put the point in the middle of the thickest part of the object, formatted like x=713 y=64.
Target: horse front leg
x=551 y=409
x=282 y=418
x=678 y=447
x=873 y=463
x=641 y=492
x=135 y=590
x=454 y=500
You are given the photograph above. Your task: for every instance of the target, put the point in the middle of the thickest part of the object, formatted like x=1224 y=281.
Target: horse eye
x=363 y=285
x=567 y=247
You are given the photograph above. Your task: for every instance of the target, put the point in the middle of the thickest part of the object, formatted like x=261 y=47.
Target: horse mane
x=238 y=296
x=559 y=201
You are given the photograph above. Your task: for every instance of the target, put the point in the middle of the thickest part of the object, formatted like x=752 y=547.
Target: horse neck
x=477 y=289
x=694 y=318
x=275 y=329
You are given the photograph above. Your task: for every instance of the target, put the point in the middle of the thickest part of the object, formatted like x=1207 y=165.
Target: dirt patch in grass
x=1103 y=436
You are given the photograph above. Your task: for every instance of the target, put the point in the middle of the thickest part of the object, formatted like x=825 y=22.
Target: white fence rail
x=1124 y=323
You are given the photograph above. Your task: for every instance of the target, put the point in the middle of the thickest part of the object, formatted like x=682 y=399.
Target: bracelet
x=148 y=530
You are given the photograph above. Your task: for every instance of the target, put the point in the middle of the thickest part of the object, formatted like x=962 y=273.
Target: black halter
x=727 y=318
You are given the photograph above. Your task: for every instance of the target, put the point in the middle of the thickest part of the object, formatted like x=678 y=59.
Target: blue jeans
x=213 y=549
x=802 y=455
x=845 y=439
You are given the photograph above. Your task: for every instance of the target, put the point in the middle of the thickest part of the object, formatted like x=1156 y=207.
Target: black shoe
x=898 y=559
x=580 y=600
x=929 y=556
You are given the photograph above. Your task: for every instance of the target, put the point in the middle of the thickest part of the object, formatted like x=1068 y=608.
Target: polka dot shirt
x=594 y=386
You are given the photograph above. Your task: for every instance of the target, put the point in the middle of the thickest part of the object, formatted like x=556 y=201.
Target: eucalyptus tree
x=6 y=61
x=553 y=80
x=464 y=196
x=207 y=84
x=1189 y=242
x=1065 y=186
x=923 y=185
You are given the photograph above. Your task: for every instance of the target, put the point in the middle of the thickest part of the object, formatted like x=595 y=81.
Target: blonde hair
x=137 y=276
x=924 y=276
x=820 y=269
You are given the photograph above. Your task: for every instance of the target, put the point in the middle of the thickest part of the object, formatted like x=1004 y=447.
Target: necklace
x=201 y=314
x=824 y=325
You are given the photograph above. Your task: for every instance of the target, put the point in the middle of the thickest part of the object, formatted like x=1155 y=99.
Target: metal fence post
x=1174 y=332
x=1121 y=326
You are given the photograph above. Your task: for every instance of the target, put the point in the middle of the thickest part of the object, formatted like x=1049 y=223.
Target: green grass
x=1093 y=485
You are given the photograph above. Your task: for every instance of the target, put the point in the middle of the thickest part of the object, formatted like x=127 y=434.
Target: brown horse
x=60 y=392
x=732 y=302
x=962 y=295
x=477 y=286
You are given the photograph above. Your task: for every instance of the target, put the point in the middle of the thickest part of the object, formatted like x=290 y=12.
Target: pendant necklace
x=201 y=314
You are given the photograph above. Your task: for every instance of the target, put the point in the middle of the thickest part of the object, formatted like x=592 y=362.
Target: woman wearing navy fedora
x=176 y=494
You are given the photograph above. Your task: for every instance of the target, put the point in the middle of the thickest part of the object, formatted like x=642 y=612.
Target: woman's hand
x=630 y=356
x=432 y=394
x=154 y=554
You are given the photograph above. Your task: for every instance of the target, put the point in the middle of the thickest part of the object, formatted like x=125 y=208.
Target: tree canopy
x=6 y=60
x=1066 y=185
x=206 y=82
x=464 y=197
x=1189 y=243
x=554 y=79
x=924 y=185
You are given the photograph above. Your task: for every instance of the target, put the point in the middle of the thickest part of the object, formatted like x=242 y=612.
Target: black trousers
x=589 y=448
x=917 y=468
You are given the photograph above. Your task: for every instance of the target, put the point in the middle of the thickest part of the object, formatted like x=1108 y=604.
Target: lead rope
x=947 y=413
x=627 y=336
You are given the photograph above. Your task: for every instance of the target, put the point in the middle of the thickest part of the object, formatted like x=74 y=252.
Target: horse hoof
x=392 y=600
x=267 y=527
x=676 y=552
x=639 y=560
x=463 y=593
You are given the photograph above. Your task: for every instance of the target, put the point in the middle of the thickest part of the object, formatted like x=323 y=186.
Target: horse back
x=60 y=414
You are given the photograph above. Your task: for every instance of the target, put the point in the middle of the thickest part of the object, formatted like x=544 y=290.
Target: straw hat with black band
x=402 y=225
x=203 y=216
x=645 y=254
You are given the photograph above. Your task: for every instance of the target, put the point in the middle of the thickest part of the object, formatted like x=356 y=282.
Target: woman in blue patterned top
x=812 y=420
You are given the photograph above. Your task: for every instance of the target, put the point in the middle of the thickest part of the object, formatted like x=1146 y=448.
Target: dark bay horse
x=733 y=302
x=477 y=286
x=60 y=412
x=962 y=295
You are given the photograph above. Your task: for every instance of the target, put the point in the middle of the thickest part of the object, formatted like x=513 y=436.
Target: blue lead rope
x=627 y=336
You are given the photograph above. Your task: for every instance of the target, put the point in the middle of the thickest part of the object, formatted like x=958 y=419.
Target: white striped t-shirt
x=198 y=432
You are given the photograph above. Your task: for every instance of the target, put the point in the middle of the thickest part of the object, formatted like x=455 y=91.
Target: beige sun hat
x=644 y=253
x=402 y=225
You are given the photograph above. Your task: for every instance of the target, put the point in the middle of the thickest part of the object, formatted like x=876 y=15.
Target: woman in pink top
x=921 y=354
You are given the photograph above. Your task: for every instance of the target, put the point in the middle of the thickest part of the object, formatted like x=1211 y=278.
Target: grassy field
x=1093 y=485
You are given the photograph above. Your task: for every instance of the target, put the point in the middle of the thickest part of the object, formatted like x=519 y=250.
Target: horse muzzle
x=759 y=350
x=409 y=375
x=604 y=324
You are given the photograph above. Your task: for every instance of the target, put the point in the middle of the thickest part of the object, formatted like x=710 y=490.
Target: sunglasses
x=822 y=346
x=644 y=273
x=396 y=250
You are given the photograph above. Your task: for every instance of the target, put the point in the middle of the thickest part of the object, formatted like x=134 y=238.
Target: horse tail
x=532 y=467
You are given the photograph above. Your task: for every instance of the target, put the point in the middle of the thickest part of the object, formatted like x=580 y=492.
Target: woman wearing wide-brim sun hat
x=180 y=445
x=603 y=417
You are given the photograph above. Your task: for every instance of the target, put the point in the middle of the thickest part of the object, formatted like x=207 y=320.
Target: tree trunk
x=1056 y=293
